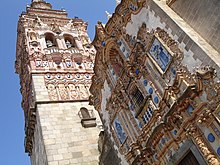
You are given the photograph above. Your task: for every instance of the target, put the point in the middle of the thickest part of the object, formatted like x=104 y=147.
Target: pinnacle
x=40 y=4
x=37 y=1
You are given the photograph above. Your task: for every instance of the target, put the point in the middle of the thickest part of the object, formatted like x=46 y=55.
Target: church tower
x=54 y=60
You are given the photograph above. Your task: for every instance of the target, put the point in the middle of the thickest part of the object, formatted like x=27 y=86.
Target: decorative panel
x=161 y=57
x=119 y=130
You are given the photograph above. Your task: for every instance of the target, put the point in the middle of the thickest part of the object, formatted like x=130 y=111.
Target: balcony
x=87 y=117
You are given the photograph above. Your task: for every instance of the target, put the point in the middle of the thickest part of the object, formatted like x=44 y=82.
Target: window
x=116 y=62
x=69 y=41
x=50 y=40
x=137 y=96
x=85 y=113
x=87 y=117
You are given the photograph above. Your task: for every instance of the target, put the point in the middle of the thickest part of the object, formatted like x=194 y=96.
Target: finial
x=40 y=4
x=37 y=1
x=108 y=14
x=118 y=2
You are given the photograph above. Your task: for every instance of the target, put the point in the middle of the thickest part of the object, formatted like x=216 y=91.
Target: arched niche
x=32 y=36
x=113 y=58
x=69 y=41
x=79 y=61
x=50 y=40
x=85 y=113
x=87 y=117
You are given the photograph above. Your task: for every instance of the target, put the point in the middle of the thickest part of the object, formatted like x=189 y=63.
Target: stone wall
x=109 y=155
x=203 y=16
x=38 y=153
x=60 y=138
x=40 y=90
x=65 y=140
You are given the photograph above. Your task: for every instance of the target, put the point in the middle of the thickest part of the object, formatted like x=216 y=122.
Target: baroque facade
x=156 y=84
x=54 y=60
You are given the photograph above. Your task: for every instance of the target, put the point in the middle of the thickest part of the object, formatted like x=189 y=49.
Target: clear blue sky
x=11 y=114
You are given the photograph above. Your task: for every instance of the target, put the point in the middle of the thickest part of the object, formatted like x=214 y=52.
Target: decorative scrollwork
x=196 y=134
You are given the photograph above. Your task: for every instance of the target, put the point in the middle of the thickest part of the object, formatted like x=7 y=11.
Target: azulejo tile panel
x=119 y=130
x=160 y=55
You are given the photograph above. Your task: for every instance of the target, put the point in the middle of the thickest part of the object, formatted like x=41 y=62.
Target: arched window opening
x=57 y=59
x=69 y=41
x=50 y=40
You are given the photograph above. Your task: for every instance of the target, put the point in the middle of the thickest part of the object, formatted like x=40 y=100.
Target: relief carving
x=83 y=93
x=197 y=136
x=73 y=91
x=63 y=92
x=52 y=92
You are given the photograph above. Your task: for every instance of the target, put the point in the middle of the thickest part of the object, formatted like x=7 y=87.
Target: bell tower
x=54 y=60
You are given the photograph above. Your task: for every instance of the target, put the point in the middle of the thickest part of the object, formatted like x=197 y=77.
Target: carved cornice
x=118 y=21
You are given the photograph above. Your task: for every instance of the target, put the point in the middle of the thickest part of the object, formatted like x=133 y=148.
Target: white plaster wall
x=106 y=93
x=216 y=144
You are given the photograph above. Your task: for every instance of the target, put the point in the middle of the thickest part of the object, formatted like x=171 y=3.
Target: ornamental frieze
x=68 y=86
x=62 y=51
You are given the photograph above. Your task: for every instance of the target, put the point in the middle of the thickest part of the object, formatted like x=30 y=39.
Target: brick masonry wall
x=203 y=16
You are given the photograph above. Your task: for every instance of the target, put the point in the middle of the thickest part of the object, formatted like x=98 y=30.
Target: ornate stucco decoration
x=164 y=42
x=201 y=114
x=196 y=134
x=55 y=27
x=68 y=86
x=122 y=15
x=184 y=97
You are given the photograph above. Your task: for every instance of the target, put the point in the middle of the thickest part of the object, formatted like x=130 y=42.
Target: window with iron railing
x=138 y=97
